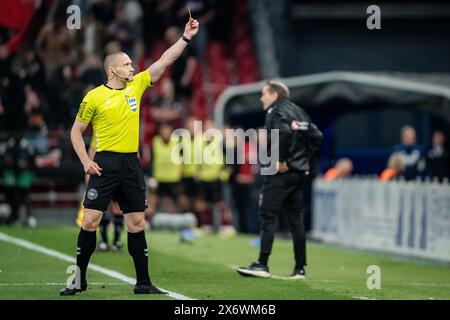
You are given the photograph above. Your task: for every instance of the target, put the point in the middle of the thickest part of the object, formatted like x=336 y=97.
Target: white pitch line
x=56 y=284
x=64 y=257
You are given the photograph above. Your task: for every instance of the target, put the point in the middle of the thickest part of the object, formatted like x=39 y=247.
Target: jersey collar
x=113 y=88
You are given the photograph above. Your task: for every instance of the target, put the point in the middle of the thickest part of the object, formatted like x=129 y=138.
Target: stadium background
x=45 y=70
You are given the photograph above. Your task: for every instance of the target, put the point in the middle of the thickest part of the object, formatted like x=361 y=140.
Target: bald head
x=112 y=60
x=118 y=65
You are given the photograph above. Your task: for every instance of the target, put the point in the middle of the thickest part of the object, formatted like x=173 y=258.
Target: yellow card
x=190 y=16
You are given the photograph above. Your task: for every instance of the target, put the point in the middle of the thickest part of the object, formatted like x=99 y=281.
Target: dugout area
x=359 y=113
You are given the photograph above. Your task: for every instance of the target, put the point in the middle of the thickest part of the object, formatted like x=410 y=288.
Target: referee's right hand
x=91 y=167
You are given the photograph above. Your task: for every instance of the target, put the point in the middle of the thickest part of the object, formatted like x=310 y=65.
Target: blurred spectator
x=184 y=67
x=438 y=159
x=211 y=173
x=342 y=169
x=189 y=186
x=37 y=130
x=133 y=12
x=112 y=47
x=90 y=74
x=395 y=168
x=92 y=33
x=36 y=133
x=103 y=11
x=242 y=180
x=166 y=107
x=12 y=99
x=166 y=170
x=54 y=45
x=121 y=30
x=203 y=11
x=158 y=13
x=62 y=84
x=412 y=153
x=18 y=163
x=31 y=71
x=91 y=71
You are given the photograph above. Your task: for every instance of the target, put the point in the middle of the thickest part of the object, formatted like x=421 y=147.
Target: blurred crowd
x=46 y=69
x=408 y=160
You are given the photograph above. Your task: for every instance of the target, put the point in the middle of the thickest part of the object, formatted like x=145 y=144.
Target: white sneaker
x=298 y=274
x=255 y=270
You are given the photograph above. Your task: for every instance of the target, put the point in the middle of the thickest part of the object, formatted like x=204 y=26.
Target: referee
x=113 y=109
x=299 y=138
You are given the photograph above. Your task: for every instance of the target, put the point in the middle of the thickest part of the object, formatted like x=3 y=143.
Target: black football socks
x=137 y=247
x=85 y=248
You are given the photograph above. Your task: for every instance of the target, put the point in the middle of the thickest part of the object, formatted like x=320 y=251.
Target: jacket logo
x=299 y=125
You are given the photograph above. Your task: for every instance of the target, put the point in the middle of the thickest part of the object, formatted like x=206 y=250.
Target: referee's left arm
x=170 y=55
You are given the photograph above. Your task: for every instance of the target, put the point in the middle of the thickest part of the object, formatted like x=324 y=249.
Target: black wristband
x=185 y=39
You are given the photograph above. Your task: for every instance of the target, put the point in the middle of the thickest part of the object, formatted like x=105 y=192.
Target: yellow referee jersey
x=114 y=114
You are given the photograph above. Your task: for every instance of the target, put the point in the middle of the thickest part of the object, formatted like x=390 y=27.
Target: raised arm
x=170 y=55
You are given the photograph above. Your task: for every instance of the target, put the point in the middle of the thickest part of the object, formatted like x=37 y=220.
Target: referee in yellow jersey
x=113 y=110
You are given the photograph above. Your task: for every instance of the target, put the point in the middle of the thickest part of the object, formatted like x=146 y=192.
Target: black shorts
x=211 y=192
x=122 y=179
x=168 y=189
x=189 y=187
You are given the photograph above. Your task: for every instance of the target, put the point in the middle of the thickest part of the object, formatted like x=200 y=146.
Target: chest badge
x=132 y=102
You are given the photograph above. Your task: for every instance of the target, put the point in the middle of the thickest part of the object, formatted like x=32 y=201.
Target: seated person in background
x=167 y=108
x=411 y=152
x=395 y=168
x=438 y=158
x=342 y=169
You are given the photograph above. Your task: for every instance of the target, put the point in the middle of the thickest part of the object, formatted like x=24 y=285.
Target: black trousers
x=283 y=191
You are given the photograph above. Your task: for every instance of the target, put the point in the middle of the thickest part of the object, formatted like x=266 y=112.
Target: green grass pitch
x=203 y=269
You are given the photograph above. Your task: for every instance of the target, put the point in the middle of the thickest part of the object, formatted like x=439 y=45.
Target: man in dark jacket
x=298 y=139
x=438 y=158
x=412 y=153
